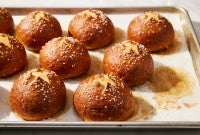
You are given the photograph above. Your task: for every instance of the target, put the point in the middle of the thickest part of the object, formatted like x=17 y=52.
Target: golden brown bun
x=38 y=94
x=12 y=55
x=93 y=28
x=104 y=97
x=152 y=30
x=36 y=29
x=130 y=61
x=66 y=56
x=6 y=22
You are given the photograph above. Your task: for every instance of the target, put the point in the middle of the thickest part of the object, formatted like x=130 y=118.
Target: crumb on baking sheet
x=190 y=105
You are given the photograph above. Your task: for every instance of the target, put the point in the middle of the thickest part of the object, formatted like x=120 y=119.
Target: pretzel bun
x=66 y=56
x=93 y=28
x=38 y=94
x=130 y=61
x=12 y=55
x=104 y=97
x=152 y=30
x=36 y=29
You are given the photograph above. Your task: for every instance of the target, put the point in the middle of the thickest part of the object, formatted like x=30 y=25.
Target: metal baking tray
x=190 y=42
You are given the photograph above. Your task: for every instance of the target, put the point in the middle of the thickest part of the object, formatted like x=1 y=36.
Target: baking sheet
x=171 y=107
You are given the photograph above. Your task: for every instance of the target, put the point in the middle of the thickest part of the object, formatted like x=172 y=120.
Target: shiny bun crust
x=152 y=30
x=66 y=56
x=130 y=61
x=12 y=55
x=36 y=29
x=38 y=94
x=104 y=97
x=6 y=22
x=93 y=28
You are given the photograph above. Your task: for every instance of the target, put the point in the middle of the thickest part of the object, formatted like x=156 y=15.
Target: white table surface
x=192 y=6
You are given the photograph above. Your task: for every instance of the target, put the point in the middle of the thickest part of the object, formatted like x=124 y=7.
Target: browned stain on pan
x=96 y=67
x=4 y=103
x=120 y=35
x=169 y=85
x=69 y=104
x=65 y=33
x=32 y=61
x=173 y=48
x=144 y=109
